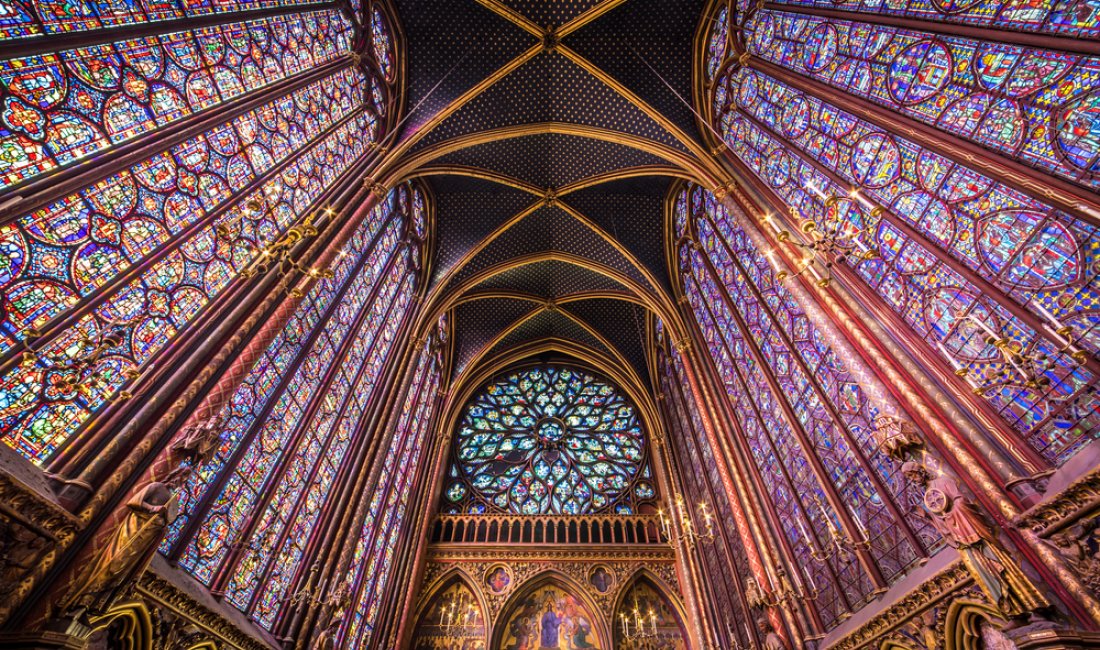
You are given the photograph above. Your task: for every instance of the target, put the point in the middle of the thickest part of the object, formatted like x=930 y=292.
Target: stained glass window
x=366 y=252
x=382 y=43
x=1036 y=106
x=550 y=440
x=1066 y=17
x=292 y=424
x=136 y=257
x=959 y=254
x=384 y=520
x=805 y=415
x=21 y=18
x=726 y=559
x=63 y=106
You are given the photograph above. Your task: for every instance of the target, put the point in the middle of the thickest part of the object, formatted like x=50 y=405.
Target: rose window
x=551 y=440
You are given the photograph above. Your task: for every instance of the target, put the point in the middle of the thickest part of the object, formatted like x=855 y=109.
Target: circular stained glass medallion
x=549 y=440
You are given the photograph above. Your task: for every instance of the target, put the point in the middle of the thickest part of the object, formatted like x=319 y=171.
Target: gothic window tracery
x=124 y=266
x=960 y=255
x=374 y=551
x=549 y=440
x=802 y=411
x=248 y=515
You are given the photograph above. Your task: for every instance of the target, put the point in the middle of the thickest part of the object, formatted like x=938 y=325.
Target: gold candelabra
x=687 y=534
x=279 y=253
x=75 y=367
x=458 y=613
x=644 y=624
x=1021 y=367
x=832 y=243
x=840 y=544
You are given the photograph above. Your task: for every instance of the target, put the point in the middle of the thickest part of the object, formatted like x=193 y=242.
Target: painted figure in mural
x=498 y=580
x=524 y=628
x=124 y=557
x=964 y=527
x=581 y=630
x=551 y=622
x=601 y=580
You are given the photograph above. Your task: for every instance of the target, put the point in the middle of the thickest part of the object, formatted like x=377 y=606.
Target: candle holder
x=687 y=535
x=1030 y=368
x=638 y=625
x=76 y=367
x=840 y=544
x=827 y=245
x=278 y=254
x=458 y=615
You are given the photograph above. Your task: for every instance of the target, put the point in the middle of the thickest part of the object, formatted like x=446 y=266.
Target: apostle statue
x=753 y=595
x=963 y=527
x=124 y=556
x=772 y=640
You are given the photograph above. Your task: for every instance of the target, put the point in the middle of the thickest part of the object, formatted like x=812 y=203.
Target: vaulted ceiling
x=549 y=134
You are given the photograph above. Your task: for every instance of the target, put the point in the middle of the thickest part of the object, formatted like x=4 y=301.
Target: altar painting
x=549 y=619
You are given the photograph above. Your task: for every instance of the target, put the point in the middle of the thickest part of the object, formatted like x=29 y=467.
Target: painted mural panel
x=452 y=621
x=549 y=619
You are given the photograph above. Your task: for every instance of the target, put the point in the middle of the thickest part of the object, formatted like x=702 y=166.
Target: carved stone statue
x=120 y=562
x=326 y=640
x=194 y=445
x=753 y=596
x=963 y=527
x=772 y=640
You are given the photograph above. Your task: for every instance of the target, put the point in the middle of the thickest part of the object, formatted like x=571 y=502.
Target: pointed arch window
x=24 y=18
x=1064 y=17
x=120 y=268
x=248 y=516
x=699 y=462
x=959 y=253
x=549 y=440
x=803 y=413
x=67 y=105
x=384 y=522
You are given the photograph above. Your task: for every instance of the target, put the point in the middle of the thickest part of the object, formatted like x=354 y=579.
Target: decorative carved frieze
x=162 y=594
x=1078 y=501
x=899 y=618
x=32 y=531
x=1069 y=523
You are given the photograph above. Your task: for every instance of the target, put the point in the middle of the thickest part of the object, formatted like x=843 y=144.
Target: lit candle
x=626 y=625
x=805 y=535
x=810 y=579
x=950 y=357
x=771 y=221
x=862 y=200
x=816 y=190
x=1047 y=315
x=985 y=328
x=771 y=255
x=859 y=523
